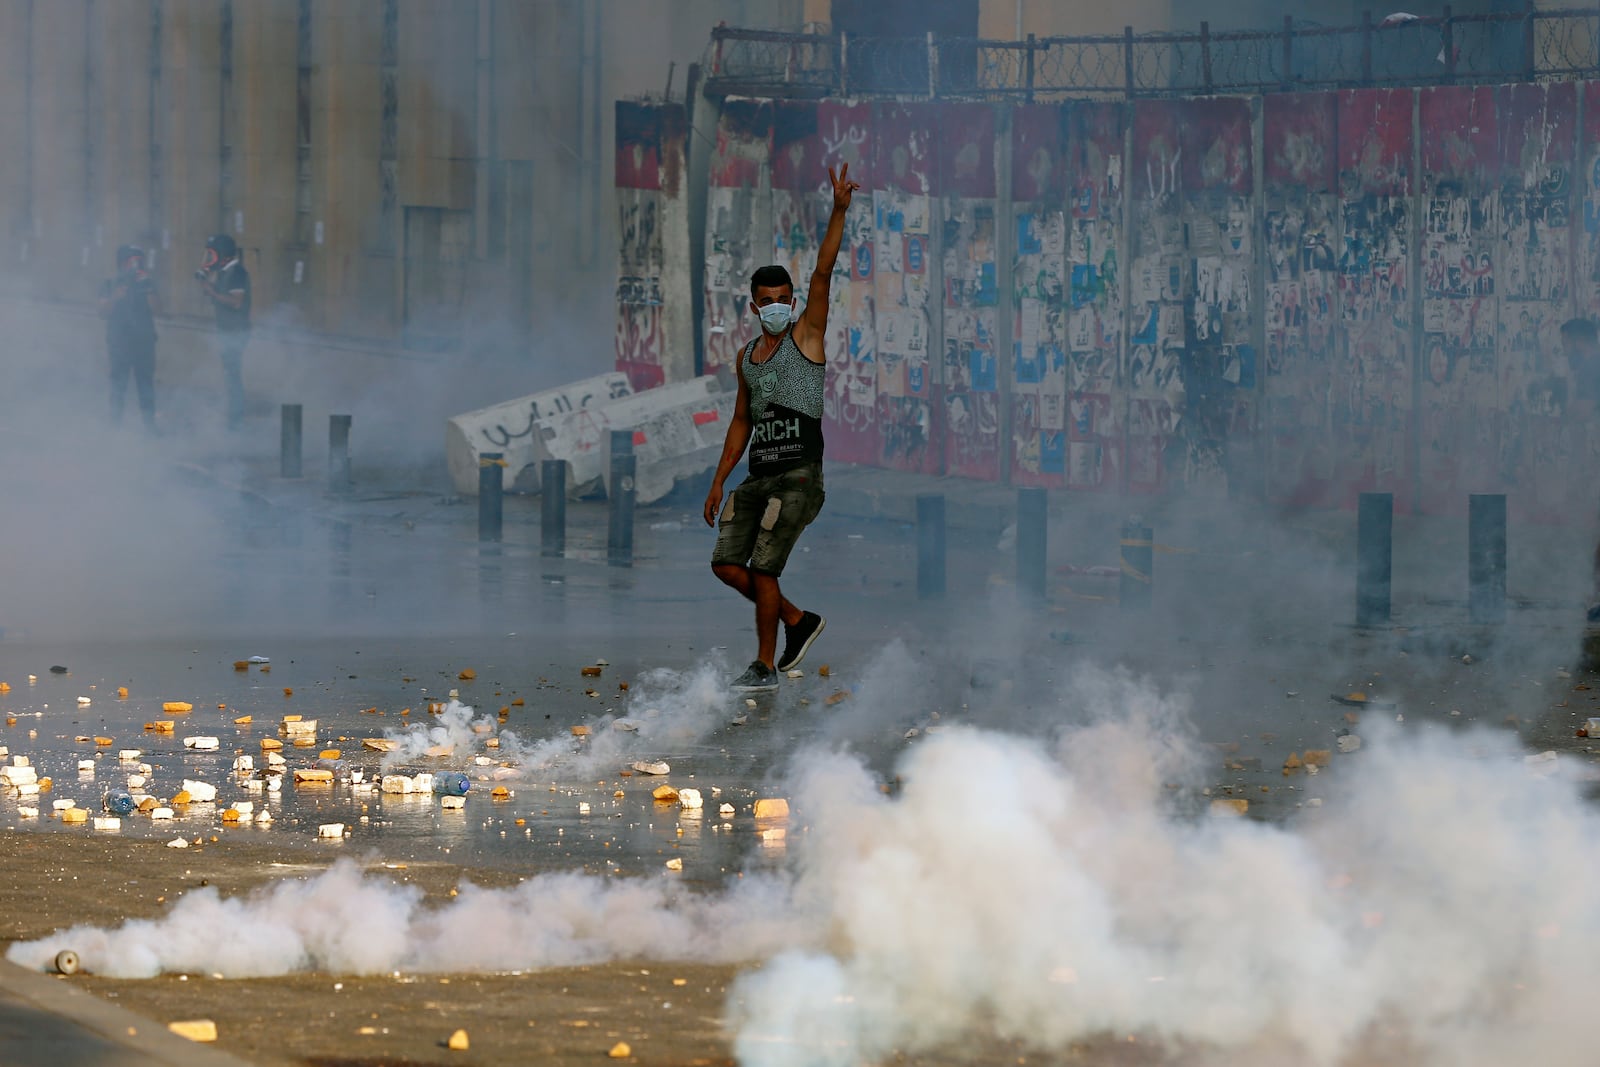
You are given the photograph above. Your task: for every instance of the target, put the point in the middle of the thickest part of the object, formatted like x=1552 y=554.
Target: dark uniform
x=131 y=334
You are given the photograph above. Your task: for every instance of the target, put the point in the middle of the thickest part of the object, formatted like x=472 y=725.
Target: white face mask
x=775 y=317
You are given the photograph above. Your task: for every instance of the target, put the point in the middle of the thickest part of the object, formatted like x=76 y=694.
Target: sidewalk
x=46 y=1022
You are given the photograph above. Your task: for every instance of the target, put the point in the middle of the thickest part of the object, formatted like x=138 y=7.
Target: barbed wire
x=1400 y=50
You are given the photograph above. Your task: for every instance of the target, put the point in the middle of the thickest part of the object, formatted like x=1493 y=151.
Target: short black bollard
x=930 y=545
x=1138 y=558
x=1031 y=528
x=553 y=508
x=289 y=442
x=619 y=532
x=1486 y=557
x=491 y=487
x=338 y=453
x=1374 y=558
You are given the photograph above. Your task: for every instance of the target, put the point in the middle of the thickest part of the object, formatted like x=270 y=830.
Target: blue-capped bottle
x=451 y=784
x=119 y=802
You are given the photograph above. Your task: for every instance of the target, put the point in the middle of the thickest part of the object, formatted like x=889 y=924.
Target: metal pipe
x=289 y=439
x=553 y=508
x=338 y=453
x=491 y=488
x=1031 y=529
x=1486 y=557
x=619 y=496
x=1374 y=558
x=1137 y=551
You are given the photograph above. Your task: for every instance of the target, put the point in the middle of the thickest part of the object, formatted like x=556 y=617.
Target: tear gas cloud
x=1047 y=891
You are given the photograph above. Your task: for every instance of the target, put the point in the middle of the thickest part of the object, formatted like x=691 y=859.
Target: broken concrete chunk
x=726 y=811
x=675 y=864
x=458 y=1042
x=620 y=1051
x=75 y=816
x=651 y=767
x=200 y=792
x=397 y=783
x=690 y=799
x=178 y=842
x=107 y=822
x=379 y=744
x=194 y=1029
x=772 y=808
x=665 y=793
x=1229 y=806
x=176 y=707
x=452 y=803
x=161 y=814
x=331 y=829
x=202 y=743
x=1349 y=743
x=303 y=774
x=580 y=731
x=1318 y=757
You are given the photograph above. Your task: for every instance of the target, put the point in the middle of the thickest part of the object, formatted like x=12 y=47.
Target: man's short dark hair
x=1580 y=330
x=768 y=278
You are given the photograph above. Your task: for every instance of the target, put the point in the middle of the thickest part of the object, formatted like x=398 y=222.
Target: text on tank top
x=785 y=408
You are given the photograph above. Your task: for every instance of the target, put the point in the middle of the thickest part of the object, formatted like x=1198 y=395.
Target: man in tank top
x=778 y=415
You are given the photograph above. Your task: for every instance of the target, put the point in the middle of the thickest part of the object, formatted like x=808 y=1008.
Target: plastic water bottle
x=451 y=784
x=119 y=802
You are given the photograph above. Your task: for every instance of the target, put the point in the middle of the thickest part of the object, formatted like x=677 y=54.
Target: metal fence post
x=844 y=65
x=933 y=67
x=1486 y=557
x=1374 y=558
x=1127 y=60
x=930 y=545
x=553 y=507
x=491 y=489
x=619 y=499
x=289 y=442
x=1288 y=51
x=1205 y=54
x=1028 y=72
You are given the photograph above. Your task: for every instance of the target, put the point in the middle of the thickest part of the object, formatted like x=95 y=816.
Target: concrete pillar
x=263 y=136
x=16 y=222
x=189 y=113
x=62 y=233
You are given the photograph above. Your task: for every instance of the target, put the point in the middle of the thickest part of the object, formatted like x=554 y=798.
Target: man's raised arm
x=815 y=316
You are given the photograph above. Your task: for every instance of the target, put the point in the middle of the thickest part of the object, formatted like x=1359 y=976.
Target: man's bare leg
x=739 y=579
x=768 y=600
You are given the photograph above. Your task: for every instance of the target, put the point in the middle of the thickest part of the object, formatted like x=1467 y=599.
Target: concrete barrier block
x=512 y=428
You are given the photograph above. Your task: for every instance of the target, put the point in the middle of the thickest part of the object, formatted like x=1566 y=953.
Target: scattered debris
x=665 y=794
x=691 y=799
x=194 y=1029
x=458 y=1042
x=620 y=1051
x=772 y=808
x=675 y=864
x=651 y=767
x=1349 y=743
x=1229 y=806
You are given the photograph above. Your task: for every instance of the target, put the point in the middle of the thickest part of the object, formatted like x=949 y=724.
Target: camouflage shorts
x=763 y=517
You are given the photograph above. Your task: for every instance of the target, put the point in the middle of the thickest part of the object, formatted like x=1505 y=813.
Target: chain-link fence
x=1398 y=50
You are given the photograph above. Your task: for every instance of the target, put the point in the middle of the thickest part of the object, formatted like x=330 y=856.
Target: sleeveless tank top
x=785 y=408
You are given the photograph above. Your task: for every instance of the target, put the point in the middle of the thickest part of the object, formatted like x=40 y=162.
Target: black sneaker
x=798 y=638
x=757 y=678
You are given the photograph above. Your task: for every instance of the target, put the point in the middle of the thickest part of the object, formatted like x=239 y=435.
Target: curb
x=49 y=1021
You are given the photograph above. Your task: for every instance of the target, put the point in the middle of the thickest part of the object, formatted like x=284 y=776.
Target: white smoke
x=454 y=729
x=666 y=710
x=1439 y=901
x=1435 y=909
x=343 y=922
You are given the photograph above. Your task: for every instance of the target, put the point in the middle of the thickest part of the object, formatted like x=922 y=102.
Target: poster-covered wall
x=1300 y=297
